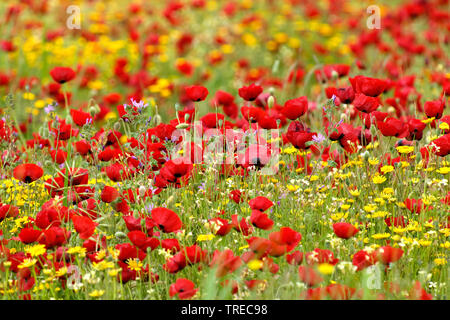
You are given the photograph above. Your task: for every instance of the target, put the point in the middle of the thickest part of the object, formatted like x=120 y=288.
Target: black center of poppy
x=257 y=162
x=28 y=179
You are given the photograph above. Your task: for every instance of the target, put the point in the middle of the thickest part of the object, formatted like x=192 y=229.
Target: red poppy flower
x=129 y=251
x=338 y=291
x=260 y=203
x=225 y=261
x=221 y=226
x=250 y=92
x=344 y=230
x=365 y=103
x=314 y=294
x=346 y=95
x=270 y=121
x=241 y=226
x=172 y=245
x=109 y=154
x=62 y=130
x=252 y=114
x=261 y=220
x=392 y=127
x=196 y=93
x=371 y=87
x=28 y=172
x=59 y=156
x=321 y=256
x=332 y=71
x=142 y=241
x=62 y=74
x=299 y=135
x=75 y=176
x=175 y=170
x=362 y=260
x=440 y=146
x=132 y=223
x=183 y=288
x=259 y=248
x=109 y=194
x=419 y=293
x=8 y=210
x=29 y=235
x=415 y=129
x=25 y=280
x=414 y=205
x=48 y=237
x=118 y=172
x=84 y=226
x=296 y=75
x=231 y=110
x=212 y=120
x=47 y=217
x=83 y=147
x=166 y=220
x=162 y=132
x=388 y=254
x=185 y=68
x=80 y=117
x=284 y=241
x=224 y=98
x=194 y=254
x=175 y=263
x=295 y=108
x=309 y=276
x=236 y=196
x=295 y=258
x=434 y=108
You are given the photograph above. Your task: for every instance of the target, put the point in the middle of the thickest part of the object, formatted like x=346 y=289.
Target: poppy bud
x=157 y=120
x=117 y=126
x=334 y=75
x=92 y=111
x=120 y=235
x=365 y=155
x=142 y=191
x=182 y=126
x=270 y=102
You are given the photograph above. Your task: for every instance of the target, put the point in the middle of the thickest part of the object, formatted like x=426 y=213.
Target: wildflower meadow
x=224 y=150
